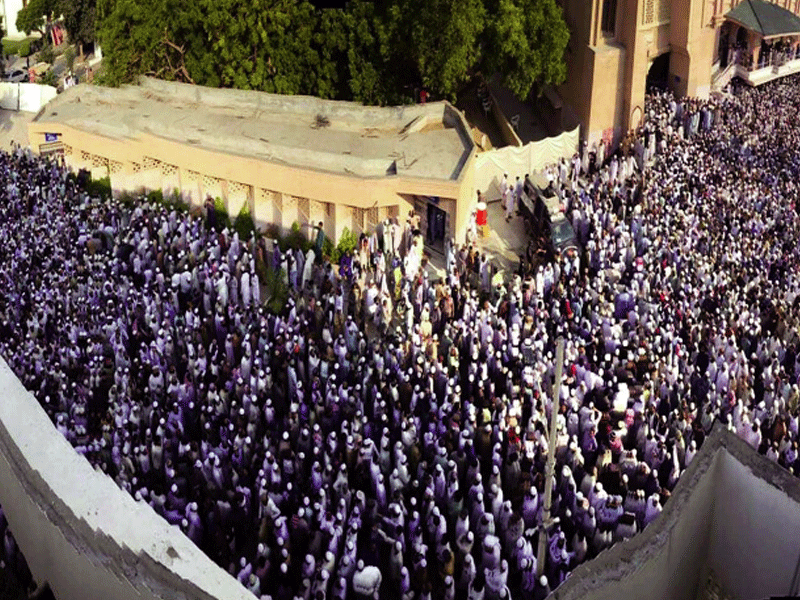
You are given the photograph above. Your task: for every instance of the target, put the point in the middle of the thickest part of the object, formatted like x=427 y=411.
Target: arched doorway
x=658 y=74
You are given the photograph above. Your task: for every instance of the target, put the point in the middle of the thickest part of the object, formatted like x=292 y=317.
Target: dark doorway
x=724 y=46
x=658 y=75
x=741 y=37
x=436 y=227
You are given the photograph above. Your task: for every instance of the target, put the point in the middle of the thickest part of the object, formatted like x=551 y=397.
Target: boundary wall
x=81 y=533
x=519 y=160
x=28 y=97
x=734 y=514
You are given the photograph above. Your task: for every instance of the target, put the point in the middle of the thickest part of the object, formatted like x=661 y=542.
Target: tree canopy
x=36 y=15
x=79 y=20
x=372 y=52
x=528 y=39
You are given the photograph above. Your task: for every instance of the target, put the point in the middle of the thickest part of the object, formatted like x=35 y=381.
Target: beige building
x=287 y=158
x=616 y=45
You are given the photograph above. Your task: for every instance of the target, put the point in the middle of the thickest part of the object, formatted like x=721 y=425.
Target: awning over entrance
x=765 y=18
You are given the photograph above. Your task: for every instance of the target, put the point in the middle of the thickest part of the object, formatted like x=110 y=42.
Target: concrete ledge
x=732 y=510
x=78 y=530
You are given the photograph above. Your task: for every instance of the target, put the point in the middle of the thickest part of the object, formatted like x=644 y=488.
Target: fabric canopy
x=517 y=161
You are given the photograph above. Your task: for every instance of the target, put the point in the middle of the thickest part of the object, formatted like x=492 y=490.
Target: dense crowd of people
x=385 y=435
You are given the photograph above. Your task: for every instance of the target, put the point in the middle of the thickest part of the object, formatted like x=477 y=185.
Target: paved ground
x=13 y=128
x=473 y=110
x=530 y=127
x=505 y=241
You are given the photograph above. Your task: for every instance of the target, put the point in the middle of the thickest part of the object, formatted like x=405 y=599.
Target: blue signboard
x=51 y=137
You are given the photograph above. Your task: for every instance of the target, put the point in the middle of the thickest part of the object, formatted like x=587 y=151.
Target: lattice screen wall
x=264 y=209
x=99 y=161
x=151 y=163
x=168 y=169
x=234 y=187
x=664 y=10
x=212 y=186
x=316 y=211
x=238 y=197
x=649 y=13
x=303 y=210
x=359 y=215
x=372 y=218
x=656 y=11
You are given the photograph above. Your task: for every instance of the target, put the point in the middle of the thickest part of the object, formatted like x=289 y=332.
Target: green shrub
x=21 y=48
x=223 y=220
x=49 y=78
x=69 y=57
x=296 y=240
x=47 y=54
x=99 y=188
x=273 y=231
x=328 y=248
x=277 y=292
x=347 y=243
x=128 y=199
x=155 y=197
x=177 y=201
x=244 y=224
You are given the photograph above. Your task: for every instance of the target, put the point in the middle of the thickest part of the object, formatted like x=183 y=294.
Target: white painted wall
x=733 y=512
x=78 y=530
x=755 y=541
x=665 y=561
x=28 y=97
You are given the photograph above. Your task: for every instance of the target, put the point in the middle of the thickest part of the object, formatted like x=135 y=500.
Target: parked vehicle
x=541 y=209
x=562 y=236
x=16 y=76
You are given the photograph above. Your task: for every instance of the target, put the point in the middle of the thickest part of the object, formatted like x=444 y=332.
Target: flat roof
x=423 y=140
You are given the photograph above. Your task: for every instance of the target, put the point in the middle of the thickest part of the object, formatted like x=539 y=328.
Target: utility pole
x=550 y=467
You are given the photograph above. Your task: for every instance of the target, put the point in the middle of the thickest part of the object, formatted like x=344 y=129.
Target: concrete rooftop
x=428 y=141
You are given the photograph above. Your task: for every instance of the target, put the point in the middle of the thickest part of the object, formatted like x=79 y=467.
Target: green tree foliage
x=347 y=243
x=371 y=52
x=331 y=42
x=79 y=20
x=132 y=33
x=525 y=42
x=261 y=45
x=244 y=224
x=445 y=40
x=36 y=15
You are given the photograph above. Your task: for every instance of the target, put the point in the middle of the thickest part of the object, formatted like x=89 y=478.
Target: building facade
x=8 y=11
x=286 y=158
x=617 y=46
